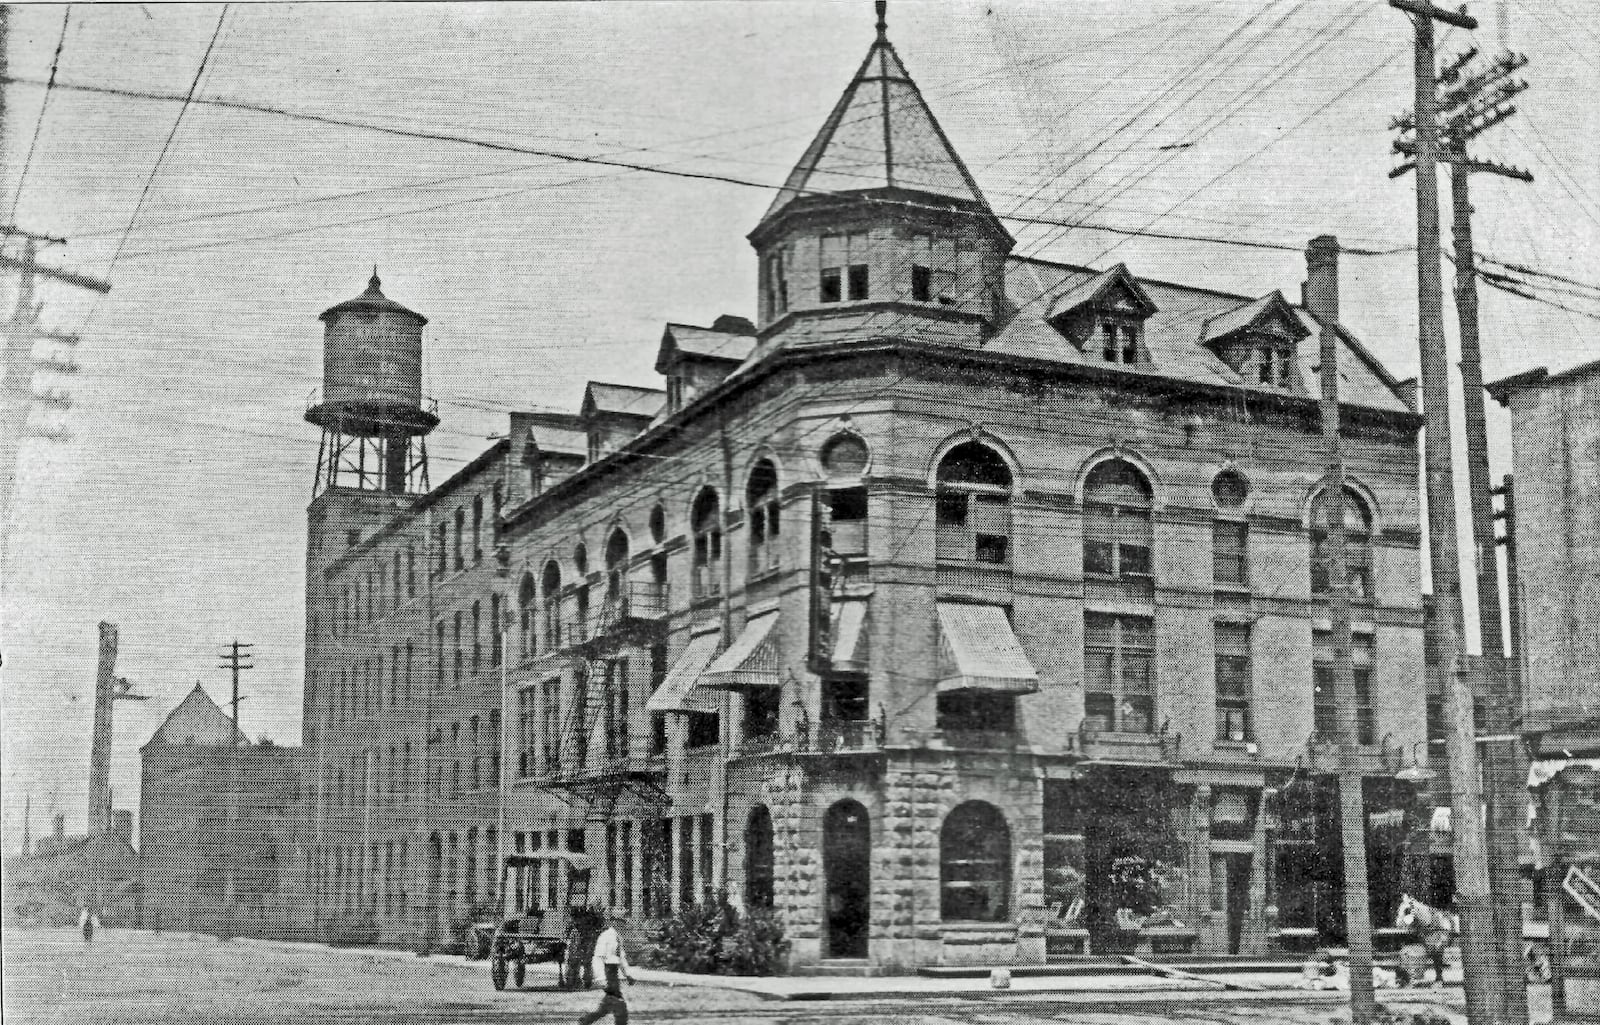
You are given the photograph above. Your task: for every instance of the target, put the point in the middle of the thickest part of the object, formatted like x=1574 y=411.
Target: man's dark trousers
x=612 y=1002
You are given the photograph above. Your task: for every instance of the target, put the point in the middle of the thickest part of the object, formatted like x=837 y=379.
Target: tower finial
x=374 y=283
x=883 y=18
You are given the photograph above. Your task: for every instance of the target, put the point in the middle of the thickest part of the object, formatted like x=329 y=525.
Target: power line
x=162 y=156
x=55 y=63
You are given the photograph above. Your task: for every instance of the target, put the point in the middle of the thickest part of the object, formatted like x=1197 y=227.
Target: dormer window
x=1272 y=365
x=1119 y=340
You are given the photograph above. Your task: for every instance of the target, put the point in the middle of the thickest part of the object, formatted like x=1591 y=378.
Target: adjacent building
x=1553 y=504
x=961 y=606
x=217 y=821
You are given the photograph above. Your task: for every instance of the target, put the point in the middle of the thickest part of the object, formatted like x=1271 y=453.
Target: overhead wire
x=44 y=107
x=161 y=157
x=1306 y=49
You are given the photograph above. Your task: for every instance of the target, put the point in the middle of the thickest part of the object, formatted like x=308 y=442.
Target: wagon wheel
x=519 y=972
x=497 y=972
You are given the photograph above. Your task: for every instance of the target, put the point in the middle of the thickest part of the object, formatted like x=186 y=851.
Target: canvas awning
x=751 y=660
x=678 y=692
x=848 y=632
x=979 y=651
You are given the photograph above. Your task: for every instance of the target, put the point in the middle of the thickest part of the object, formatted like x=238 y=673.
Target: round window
x=1229 y=489
x=845 y=455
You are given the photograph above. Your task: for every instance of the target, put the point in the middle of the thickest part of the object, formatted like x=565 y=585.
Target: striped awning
x=751 y=660
x=679 y=691
x=848 y=633
x=979 y=651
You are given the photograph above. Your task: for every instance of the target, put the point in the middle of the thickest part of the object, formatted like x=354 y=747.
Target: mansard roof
x=1174 y=334
x=882 y=136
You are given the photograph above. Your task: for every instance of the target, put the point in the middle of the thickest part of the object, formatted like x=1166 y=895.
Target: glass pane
x=1137 y=673
x=1135 y=560
x=1099 y=557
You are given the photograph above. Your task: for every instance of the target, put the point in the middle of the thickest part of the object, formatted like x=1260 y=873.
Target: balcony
x=1141 y=748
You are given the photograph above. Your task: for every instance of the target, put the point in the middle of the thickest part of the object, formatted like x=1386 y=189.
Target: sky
x=175 y=505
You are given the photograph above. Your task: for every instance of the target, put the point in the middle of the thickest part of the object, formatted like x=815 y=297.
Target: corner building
x=962 y=607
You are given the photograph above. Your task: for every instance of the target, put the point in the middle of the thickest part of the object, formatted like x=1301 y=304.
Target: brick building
x=1555 y=443
x=213 y=804
x=962 y=606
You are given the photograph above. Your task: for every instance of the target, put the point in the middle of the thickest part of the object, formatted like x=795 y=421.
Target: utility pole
x=1322 y=298
x=1483 y=985
x=19 y=394
x=1469 y=105
x=237 y=659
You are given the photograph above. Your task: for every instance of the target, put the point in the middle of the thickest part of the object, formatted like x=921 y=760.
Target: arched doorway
x=758 y=858
x=847 y=867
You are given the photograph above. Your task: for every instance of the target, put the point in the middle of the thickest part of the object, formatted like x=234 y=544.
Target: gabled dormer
x=1104 y=316
x=693 y=359
x=612 y=414
x=880 y=226
x=1259 y=340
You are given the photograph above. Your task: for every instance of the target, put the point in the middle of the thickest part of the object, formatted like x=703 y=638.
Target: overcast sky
x=177 y=506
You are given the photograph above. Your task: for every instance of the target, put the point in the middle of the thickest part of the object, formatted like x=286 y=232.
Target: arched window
x=525 y=626
x=705 y=523
x=761 y=505
x=1230 y=531
x=758 y=859
x=975 y=865
x=477 y=636
x=973 y=506
x=1116 y=510
x=616 y=566
x=551 y=589
x=1357 y=545
x=658 y=524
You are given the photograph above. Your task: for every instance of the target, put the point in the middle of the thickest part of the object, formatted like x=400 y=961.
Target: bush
x=715 y=938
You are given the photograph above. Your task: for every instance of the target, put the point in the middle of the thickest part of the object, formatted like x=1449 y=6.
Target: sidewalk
x=1126 y=987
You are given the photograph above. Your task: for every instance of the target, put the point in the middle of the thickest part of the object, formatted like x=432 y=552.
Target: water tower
x=371 y=409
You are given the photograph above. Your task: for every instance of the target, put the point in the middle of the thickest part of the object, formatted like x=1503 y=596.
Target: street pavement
x=128 y=976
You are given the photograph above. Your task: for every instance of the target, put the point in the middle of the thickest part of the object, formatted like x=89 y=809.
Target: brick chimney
x=1320 y=292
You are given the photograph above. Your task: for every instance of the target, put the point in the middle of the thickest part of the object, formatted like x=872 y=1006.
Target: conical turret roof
x=881 y=135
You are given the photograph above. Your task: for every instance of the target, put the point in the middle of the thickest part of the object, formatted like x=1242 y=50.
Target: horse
x=1422 y=918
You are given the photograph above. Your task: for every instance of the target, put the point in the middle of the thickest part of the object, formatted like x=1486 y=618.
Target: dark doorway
x=1235 y=897
x=847 y=866
x=758 y=861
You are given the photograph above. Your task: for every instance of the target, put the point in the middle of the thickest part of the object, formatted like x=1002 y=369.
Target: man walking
x=612 y=960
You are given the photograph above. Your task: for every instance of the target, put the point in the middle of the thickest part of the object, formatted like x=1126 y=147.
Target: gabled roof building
x=963 y=607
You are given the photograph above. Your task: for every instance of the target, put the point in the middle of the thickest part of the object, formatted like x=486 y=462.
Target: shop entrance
x=847 y=866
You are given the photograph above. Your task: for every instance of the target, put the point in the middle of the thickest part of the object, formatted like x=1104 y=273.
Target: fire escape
x=631 y=618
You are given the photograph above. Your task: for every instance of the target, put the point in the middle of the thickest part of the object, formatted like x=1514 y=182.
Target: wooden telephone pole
x=1482 y=981
x=1322 y=299
x=20 y=395
x=1470 y=104
x=236 y=659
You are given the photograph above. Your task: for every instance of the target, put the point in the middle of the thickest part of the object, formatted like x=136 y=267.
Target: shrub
x=715 y=938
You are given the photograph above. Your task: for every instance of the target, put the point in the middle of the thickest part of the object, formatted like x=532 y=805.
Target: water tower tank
x=372 y=368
